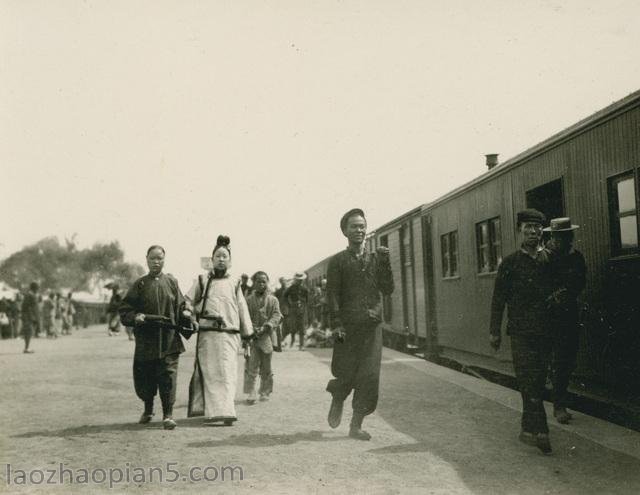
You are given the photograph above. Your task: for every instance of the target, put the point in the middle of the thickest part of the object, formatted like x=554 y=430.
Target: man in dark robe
x=283 y=328
x=523 y=286
x=568 y=275
x=297 y=300
x=154 y=306
x=30 y=315
x=355 y=279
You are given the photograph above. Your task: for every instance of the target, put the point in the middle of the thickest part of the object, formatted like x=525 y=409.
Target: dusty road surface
x=69 y=410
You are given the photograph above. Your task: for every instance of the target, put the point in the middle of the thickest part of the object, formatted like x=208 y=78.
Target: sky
x=170 y=122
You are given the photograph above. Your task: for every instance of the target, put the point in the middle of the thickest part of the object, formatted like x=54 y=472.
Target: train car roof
x=614 y=110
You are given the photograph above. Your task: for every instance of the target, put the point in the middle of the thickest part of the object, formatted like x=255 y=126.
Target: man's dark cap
x=349 y=214
x=531 y=215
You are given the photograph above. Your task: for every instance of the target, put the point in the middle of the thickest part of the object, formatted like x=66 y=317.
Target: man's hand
x=338 y=334
x=139 y=318
x=495 y=341
x=382 y=250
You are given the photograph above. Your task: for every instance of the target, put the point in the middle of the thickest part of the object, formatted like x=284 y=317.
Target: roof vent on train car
x=492 y=160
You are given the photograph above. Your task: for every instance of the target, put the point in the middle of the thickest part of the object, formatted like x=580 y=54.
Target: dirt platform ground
x=435 y=431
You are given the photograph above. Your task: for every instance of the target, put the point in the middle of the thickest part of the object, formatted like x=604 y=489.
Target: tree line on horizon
x=55 y=266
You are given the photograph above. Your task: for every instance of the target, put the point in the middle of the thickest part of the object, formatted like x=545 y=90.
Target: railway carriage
x=445 y=253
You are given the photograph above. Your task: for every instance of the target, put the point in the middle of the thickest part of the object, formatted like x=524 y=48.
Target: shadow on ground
x=478 y=438
x=258 y=440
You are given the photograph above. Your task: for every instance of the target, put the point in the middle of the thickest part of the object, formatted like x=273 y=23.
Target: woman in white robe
x=223 y=317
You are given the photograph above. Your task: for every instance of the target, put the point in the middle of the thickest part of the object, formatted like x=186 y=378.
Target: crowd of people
x=538 y=284
x=35 y=314
x=232 y=318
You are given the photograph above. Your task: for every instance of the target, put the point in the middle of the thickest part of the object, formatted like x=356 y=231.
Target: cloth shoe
x=168 y=423
x=335 y=413
x=145 y=418
x=358 y=433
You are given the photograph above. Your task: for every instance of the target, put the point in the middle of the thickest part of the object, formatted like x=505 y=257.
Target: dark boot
x=355 y=430
x=543 y=443
x=335 y=413
x=147 y=414
x=527 y=438
x=562 y=415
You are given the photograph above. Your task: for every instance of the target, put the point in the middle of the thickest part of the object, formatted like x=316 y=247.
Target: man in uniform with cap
x=568 y=277
x=523 y=285
x=355 y=279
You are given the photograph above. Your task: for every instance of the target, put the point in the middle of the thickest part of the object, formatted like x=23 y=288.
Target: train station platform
x=435 y=430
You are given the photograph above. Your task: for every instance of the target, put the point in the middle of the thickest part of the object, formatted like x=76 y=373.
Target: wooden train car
x=445 y=253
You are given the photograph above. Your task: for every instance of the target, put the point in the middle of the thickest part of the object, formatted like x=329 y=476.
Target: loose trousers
x=157 y=375
x=259 y=363
x=566 y=338
x=531 y=356
x=356 y=366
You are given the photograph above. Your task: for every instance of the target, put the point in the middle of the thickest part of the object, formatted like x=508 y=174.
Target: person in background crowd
x=154 y=305
x=569 y=277
x=17 y=315
x=523 y=284
x=223 y=319
x=324 y=308
x=246 y=288
x=30 y=315
x=59 y=313
x=48 y=316
x=297 y=297
x=283 y=329
x=113 y=316
x=5 y=318
x=355 y=280
x=264 y=311
x=38 y=327
x=316 y=306
x=68 y=312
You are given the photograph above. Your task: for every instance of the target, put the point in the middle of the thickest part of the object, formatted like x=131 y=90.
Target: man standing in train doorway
x=523 y=285
x=355 y=279
x=568 y=277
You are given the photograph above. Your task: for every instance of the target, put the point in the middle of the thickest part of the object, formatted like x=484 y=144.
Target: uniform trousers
x=566 y=337
x=531 y=356
x=356 y=366
x=157 y=375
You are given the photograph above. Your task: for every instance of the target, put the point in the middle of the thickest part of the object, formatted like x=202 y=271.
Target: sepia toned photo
x=334 y=247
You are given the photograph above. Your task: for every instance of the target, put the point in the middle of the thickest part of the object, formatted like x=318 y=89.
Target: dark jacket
x=160 y=296
x=568 y=280
x=523 y=285
x=354 y=286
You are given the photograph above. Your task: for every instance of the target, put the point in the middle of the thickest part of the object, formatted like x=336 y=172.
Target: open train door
x=548 y=198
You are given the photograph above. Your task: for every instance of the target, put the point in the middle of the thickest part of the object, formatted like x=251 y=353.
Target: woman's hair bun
x=223 y=240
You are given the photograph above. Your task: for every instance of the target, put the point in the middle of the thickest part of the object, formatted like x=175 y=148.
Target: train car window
x=488 y=245
x=623 y=206
x=449 y=249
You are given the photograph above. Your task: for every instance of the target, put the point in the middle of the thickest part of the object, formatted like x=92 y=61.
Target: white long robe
x=215 y=376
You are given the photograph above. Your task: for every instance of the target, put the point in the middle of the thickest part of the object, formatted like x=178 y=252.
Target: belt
x=224 y=330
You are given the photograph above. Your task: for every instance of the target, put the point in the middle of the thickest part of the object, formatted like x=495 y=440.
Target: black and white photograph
x=320 y=246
